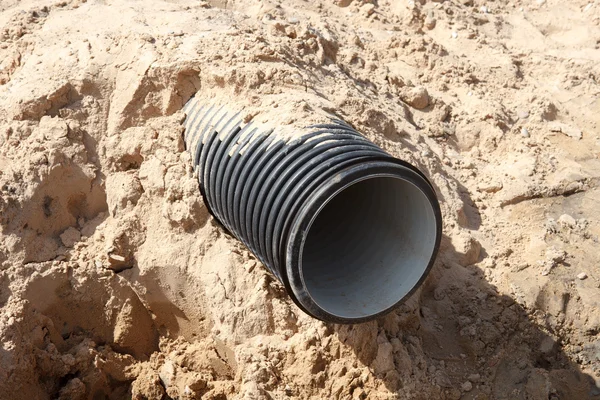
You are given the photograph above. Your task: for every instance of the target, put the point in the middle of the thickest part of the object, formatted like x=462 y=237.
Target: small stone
x=70 y=236
x=167 y=373
x=53 y=128
x=547 y=345
x=454 y=394
x=567 y=220
x=581 y=276
x=523 y=114
x=118 y=263
x=417 y=97
x=484 y=9
x=430 y=22
x=454 y=35
x=467 y=386
x=524 y=132
x=474 y=378
x=116 y=257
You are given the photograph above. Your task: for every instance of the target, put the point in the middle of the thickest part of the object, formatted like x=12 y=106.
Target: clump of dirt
x=116 y=282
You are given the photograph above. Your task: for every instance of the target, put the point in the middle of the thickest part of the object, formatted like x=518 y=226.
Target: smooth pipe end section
x=364 y=241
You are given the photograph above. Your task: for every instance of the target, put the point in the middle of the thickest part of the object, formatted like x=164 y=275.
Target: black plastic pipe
x=348 y=229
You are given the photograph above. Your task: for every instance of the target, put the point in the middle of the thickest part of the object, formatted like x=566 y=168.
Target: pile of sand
x=115 y=282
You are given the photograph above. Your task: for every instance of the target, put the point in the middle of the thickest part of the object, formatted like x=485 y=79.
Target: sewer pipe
x=348 y=229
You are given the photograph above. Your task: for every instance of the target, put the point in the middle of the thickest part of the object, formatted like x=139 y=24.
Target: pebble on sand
x=70 y=236
x=467 y=386
x=581 y=276
x=429 y=22
x=567 y=220
x=118 y=263
x=417 y=97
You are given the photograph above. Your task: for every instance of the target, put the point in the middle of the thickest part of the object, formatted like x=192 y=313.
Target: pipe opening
x=368 y=246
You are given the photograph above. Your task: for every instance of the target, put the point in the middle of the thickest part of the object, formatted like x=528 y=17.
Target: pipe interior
x=368 y=246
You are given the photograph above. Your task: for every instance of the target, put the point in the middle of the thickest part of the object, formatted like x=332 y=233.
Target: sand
x=115 y=282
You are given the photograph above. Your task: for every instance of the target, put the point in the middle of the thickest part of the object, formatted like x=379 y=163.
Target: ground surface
x=498 y=102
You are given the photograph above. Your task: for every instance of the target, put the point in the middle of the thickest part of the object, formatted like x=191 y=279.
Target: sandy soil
x=116 y=283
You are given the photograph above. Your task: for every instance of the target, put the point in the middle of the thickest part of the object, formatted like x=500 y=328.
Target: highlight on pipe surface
x=348 y=229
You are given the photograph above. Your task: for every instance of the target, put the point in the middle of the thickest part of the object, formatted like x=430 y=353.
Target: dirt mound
x=115 y=282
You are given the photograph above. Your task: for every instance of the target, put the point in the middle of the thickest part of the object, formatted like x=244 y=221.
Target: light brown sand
x=115 y=282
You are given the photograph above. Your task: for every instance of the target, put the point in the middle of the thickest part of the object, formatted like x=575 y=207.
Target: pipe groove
x=348 y=229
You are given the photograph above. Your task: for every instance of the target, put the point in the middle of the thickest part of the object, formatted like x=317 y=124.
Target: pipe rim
x=293 y=277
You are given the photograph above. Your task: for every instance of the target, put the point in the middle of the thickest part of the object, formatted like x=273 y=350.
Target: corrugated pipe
x=348 y=229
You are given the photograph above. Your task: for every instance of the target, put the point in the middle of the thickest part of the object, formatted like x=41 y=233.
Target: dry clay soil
x=116 y=283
